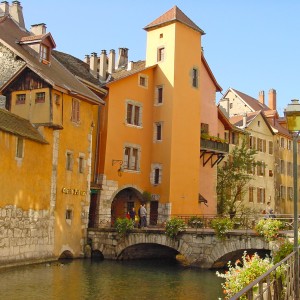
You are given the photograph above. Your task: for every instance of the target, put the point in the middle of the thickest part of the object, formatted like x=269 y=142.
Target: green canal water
x=109 y=280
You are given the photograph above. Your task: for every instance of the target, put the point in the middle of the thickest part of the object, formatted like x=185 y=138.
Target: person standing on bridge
x=143 y=215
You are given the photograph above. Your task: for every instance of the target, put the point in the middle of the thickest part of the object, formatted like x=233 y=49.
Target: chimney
x=38 y=29
x=87 y=59
x=123 y=57
x=4 y=8
x=103 y=65
x=244 y=120
x=16 y=13
x=130 y=66
x=272 y=99
x=261 y=97
x=111 y=61
x=93 y=64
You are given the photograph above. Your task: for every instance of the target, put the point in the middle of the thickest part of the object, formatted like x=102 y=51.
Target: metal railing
x=240 y=221
x=276 y=284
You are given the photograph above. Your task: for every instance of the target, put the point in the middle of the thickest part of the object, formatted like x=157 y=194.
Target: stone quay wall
x=25 y=236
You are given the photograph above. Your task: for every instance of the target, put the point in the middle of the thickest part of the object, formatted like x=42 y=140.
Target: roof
x=172 y=15
x=239 y=119
x=252 y=102
x=55 y=73
x=18 y=126
x=122 y=73
x=76 y=66
x=210 y=73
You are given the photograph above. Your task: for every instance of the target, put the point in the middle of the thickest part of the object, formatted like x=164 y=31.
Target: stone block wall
x=25 y=235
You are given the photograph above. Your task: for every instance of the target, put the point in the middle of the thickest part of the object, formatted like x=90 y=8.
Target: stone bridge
x=199 y=248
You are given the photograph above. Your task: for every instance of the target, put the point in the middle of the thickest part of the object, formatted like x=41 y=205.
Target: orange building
x=151 y=126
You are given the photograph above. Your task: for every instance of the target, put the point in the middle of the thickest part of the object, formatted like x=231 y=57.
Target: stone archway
x=123 y=201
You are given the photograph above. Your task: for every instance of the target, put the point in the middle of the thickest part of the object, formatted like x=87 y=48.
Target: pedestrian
x=139 y=214
x=132 y=214
x=143 y=213
x=269 y=210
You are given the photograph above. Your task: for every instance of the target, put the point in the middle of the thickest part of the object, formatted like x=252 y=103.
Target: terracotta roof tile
x=174 y=14
x=20 y=127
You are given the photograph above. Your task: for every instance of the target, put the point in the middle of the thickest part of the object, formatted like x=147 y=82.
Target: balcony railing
x=214 y=146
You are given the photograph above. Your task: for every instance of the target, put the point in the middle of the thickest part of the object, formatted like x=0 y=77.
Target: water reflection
x=83 y=279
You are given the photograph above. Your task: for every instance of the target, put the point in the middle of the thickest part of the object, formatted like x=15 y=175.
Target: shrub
x=269 y=228
x=174 y=227
x=195 y=222
x=243 y=273
x=221 y=226
x=285 y=248
x=123 y=226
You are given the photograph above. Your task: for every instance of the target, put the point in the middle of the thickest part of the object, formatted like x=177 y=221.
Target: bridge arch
x=165 y=246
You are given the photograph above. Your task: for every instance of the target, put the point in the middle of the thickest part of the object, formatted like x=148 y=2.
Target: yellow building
x=46 y=165
x=151 y=125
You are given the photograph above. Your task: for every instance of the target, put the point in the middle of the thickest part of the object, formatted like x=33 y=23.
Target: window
x=133 y=113
x=261 y=169
x=251 y=193
x=69 y=214
x=161 y=35
x=57 y=99
x=252 y=142
x=230 y=105
x=261 y=195
x=159 y=94
x=81 y=164
x=131 y=158
x=40 y=97
x=282 y=142
x=226 y=136
x=289 y=145
x=235 y=138
x=158 y=131
x=259 y=145
x=258 y=123
x=69 y=161
x=282 y=192
x=195 y=77
x=282 y=167
x=143 y=81
x=75 y=110
x=290 y=193
x=271 y=147
x=289 y=169
x=204 y=128
x=156 y=173
x=44 y=53
x=161 y=54
x=20 y=98
x=19 y=147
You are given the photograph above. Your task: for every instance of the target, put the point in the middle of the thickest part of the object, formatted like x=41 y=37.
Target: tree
x=233 y=178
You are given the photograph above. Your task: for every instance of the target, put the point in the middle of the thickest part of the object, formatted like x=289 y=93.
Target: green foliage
x=285 y=248
x=146 y=196
x=222 y=226
x=243 y=273
x=233 y=178
x=269 y=228
x=174 y=227
x=195 y=222
x=123 y=226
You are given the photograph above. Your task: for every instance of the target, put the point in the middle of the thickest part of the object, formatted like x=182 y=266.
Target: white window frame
x=154 y=167
x=157 y=98
x=81 y=163
x=134 y=104
x=69 y=160
x=129 y=163
x=145 y=77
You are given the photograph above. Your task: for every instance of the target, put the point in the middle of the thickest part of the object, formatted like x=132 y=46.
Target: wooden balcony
x=213 y=151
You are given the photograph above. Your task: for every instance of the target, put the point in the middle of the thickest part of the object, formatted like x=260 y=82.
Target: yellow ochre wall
x=180 y=113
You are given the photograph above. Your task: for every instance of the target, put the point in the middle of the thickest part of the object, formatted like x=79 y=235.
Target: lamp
x=292 y=114
x=120 y=162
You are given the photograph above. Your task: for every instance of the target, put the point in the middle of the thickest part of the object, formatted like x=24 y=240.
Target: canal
x=106 y=280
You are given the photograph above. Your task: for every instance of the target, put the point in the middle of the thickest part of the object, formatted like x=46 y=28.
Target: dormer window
x=44 y=53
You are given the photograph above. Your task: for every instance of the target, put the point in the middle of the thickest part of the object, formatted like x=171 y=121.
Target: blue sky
x=250 y=45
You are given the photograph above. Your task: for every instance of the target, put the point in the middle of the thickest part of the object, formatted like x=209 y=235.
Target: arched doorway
x=124 y=201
